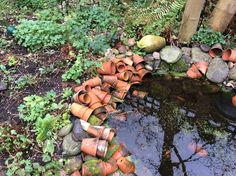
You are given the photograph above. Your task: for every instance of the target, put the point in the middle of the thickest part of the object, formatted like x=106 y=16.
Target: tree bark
x=222 y=15
x=190 y=19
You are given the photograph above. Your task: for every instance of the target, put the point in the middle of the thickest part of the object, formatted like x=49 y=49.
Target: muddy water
x=177 y=131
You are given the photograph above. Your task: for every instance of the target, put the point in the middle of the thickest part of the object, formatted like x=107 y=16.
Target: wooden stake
x=222 y=15
x=190 y=19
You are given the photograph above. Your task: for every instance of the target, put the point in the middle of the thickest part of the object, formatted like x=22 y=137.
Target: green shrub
x=38 y=34
x=36 y=4
x=207 y=36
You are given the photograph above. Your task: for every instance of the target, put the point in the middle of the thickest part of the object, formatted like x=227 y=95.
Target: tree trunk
x=190 y=19
x=222 y=15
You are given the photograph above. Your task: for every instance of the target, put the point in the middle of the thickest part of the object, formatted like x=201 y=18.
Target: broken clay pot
x=193 y=72
x=125 y=165
x=202 y=66
x=216 y=50
x=229 y=55
x=108 y=68
x=81 y=111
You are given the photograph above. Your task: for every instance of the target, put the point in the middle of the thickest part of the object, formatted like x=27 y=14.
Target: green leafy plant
x=67 y=93
x=40 y=34
x=36 y=4
x=209 y=37
x=25 y=80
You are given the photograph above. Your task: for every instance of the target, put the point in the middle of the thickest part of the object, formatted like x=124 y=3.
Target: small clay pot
x=96 y=81
x=106 y=87
x=115 y=60
x=119 y=94
x=229 y=55
x=140 y=94
x=76 y=173
x=139 y=66
x=110 y=166
x=120 y=152
x=110 y=109
x=124 y=75
x=82 y=88
x=84 y=99
x=95 y=101
x=108 y=134
x=110 y=79
x=122 y=85
x=102 y=116
x=135 y=79
x=125 y=165
x=202 y=66
x=193 y=72
x=216 y=50
x=130 y=74
x=90 y=145
x=99 y=110
x=108 y=68
x=102 y=148
x=128 y=61
x=131 y=68
x=234 y=100
x=120 y=67
x=81 y=111
x=137 y=59
x=102 y=95
x=142 y=73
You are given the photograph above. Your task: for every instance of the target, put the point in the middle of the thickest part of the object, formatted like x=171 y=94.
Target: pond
x=176 y=130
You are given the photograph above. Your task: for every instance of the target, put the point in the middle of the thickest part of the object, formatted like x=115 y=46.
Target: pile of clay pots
x=93 y=101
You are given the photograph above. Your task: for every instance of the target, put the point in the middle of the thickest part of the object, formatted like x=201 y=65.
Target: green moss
x=93 y=120
x=110 y=152
x=93 y=167
x=180 y=66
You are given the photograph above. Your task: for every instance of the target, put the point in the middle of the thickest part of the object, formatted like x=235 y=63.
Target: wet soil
x=177 y=130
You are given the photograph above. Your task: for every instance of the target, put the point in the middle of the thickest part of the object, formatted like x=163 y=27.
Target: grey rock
x=131 y=42
x=217 y=71
x=190 y=114
x=69 y=146
x=198 y=55
x=3 y=86
x=109 y=54
x=148 y=67
x=232 y=73
x=73 y=164
x=129 y=53
x=65 y=130
x=156 y=55
x=89 y=157
x=148 y=57
x=120 y=56
x=122 y=49
x=77 y=132
x=205 y=48
x=186 y=51
x=115 y=51
x=171 y=54
x=156 y=64
x=230 y=65
x=187 y=59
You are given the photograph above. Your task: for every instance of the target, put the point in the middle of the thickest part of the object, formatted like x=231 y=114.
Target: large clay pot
x=96 y=81
x=229 y=55
x=110 y=79
x=142 y=73
x=202 y=66
x=90 y=145
x=125 y=165
x=81 y=111
x=124 y=75
x=120 y=152
x=128 y=61
x=137 y=59
x=108 y=68
x=193 y=72
x=216 y=50
x=120 y=67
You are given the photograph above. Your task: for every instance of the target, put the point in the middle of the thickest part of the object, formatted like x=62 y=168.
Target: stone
x=89 y=157
x=73 y=164
x=65 y=130
x=217 y=71
x=120 y=56
x=148 y=67
x=186 y=51
x=171 y=54
x=131 y=42
x=156 y=64
x=3 y=86
x=187 y=59
x=129 y=53
x=70 y=146
x=180 y=66
x=205 y=48
x=198 y=55
x=122 y=49
x=115 y=51
x=156 y=55
x=230 y=65
x=109 y=54
x=148 y=57
x=77 y=132
x=232 y=73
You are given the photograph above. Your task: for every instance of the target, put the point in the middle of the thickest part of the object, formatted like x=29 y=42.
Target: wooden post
x=190 y=19
x=222 y=15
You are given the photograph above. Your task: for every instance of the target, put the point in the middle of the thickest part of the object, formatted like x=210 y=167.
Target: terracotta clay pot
x=135 y=79
x=137 y=59
x=96 y=81
x=90 y=145
x=140 y=94
x=84 y=99
x=119 y=94
x=120 y=67
x=108 y=134
x=130 y=74
x=106 y=87
x=202 y=66
x=108 y=68
x=110 y=79
x=102 y=116
x=193 y=72
x=76 y=173
x=102 y=148
x=95 y=101
x=229 y=55
x=216 y=50
x=234 y=100
x=102 y=95
x=142 y=73
x=110 y=166
x=139 y=66
x=124 y=75
x=125 y=165
x=120 y=152
x=81 y=111
x=131 y=68
x=99 y=110
x=122 y=86
x=82 y=88
x=116 y=60
x=128 y=61
x=110 y=109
